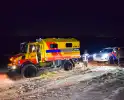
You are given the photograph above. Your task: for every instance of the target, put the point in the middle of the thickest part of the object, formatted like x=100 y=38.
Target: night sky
x=24 y=21
x=68 y=18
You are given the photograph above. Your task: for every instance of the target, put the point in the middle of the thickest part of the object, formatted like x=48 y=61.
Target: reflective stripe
x=70 y=49
x=63 y=50
x=50 y=51
x=66 y=50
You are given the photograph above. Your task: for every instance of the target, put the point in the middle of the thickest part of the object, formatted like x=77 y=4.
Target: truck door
x=39 y=53
x=32 y=53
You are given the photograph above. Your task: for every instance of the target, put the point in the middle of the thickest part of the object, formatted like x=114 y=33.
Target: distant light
x=38 y=40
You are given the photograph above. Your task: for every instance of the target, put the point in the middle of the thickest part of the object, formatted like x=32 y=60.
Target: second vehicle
x=109 y=54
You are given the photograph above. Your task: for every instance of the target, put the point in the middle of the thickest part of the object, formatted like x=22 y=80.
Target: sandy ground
x=95 y=83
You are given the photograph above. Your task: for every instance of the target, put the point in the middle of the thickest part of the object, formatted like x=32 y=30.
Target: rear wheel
x=29 y=71
x=68 y=65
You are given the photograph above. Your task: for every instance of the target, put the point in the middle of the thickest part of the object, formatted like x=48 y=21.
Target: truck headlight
x=13 y=67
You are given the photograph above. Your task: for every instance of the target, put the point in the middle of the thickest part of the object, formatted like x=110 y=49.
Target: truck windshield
x=107 y=50
x=23 y=47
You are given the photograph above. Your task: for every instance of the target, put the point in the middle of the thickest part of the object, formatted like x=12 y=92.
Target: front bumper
x=100 y=59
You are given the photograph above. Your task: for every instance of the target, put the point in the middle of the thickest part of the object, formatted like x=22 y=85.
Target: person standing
x=118 y=56
x=85 y=58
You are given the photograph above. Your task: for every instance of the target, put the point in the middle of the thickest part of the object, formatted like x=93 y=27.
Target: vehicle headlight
x=14 y=67
x=94 y=55
x=105 y=55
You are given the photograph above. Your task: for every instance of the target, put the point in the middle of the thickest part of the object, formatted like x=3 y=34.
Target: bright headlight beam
x=94 y=55
x=13 y=67
x=105 y=55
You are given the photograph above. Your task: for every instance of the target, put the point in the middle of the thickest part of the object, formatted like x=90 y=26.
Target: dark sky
x=61 y=18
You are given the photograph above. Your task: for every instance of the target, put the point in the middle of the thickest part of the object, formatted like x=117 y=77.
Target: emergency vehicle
x=43 y=53
x=108 y=54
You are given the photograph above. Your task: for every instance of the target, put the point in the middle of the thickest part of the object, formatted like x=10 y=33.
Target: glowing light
x=14 y=60
x=11 y=59
x=13 y=67
x=105 y=55
x=94 y=55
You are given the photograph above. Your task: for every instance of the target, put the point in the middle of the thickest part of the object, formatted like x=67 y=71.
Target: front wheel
x=29 y=70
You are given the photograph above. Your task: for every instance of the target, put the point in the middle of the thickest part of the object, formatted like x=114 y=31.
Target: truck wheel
x=68 y=65
x=28 y=71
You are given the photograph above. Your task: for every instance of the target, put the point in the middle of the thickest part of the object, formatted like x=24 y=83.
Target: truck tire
x=68 y=65
x=29 y=70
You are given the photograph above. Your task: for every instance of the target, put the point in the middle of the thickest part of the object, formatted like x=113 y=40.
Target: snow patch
x=83 y=77
x=6 y=82
x=114 y=93
x=104 y=68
